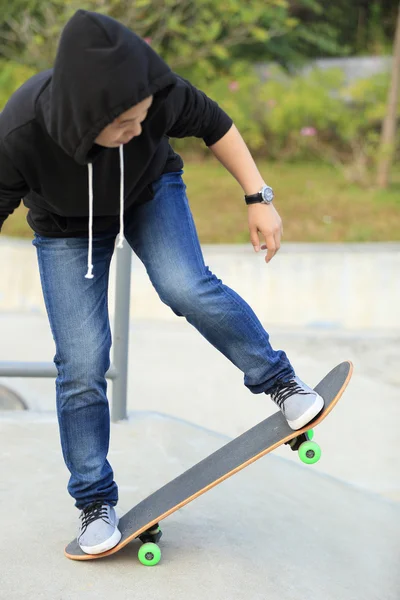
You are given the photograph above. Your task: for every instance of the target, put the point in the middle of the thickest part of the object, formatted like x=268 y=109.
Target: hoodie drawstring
x=121 y=208
x=89 y=274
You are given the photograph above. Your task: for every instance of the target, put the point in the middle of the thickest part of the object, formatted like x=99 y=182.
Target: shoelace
x=94 y=511
x=285 y=389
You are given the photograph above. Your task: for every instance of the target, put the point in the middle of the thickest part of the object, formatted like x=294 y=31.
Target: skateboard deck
x=142 y=520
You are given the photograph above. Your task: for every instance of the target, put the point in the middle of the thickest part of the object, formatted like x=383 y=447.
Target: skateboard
x=142 y=521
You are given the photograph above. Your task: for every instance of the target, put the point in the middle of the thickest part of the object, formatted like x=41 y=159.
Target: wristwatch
x=265 y=196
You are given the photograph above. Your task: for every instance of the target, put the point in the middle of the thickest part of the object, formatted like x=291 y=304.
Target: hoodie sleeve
x=194 y=114
x=12 y=187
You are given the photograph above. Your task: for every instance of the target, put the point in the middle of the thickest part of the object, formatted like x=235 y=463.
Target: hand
x=265 y=219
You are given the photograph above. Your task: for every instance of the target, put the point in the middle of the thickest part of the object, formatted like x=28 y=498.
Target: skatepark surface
x=278 y=529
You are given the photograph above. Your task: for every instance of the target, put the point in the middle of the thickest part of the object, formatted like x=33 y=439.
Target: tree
x=190 y=34
x=388 y=135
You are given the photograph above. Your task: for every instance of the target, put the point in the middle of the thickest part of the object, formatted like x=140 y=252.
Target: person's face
x=126 y=126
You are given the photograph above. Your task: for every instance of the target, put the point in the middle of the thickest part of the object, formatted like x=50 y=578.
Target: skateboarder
x=85 y=144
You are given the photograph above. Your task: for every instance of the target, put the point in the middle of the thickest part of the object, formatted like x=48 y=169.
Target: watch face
x=267 y=194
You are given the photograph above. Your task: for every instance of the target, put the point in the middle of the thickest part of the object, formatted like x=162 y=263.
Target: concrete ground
x=277 y=530
x=174 y=371
x=274 y=530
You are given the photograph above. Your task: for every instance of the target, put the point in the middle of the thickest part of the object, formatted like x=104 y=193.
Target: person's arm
x=12 y=187
x=234 y=155
x=193 y=113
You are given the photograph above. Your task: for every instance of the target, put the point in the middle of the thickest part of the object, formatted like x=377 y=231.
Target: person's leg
x=78 y=314
x=163 y=235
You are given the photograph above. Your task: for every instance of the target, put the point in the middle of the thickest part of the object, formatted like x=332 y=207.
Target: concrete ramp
x=274 y=531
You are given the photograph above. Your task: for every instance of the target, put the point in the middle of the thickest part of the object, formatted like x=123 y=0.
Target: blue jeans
x=163 y=235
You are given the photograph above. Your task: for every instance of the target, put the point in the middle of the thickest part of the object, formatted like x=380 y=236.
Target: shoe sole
x=309 y=415
x=104 y=546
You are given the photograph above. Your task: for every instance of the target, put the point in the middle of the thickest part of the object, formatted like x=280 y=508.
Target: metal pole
x=121 y=333
x=37 y=369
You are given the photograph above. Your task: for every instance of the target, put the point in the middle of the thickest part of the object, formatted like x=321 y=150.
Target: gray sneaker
x=98 y=529
x=299 y=403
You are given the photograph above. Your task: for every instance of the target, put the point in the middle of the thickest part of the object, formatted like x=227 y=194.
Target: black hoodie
x=48 y=128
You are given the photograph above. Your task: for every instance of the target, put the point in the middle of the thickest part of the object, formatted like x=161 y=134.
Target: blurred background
x=307 y=83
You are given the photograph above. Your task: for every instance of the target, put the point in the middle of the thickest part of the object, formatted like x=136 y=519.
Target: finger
x=254 y=239
x=277 y=240
x=277 y=237
x=270 y=246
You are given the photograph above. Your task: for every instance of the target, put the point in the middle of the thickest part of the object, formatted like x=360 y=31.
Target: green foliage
x=356 y=27
x=208 y=34
x=317 y=116
x=12 y=76
x=201 y=33
x=214 y=45
x=312 y=116
x=370 y=97
x=235 y=93
x=292 y=103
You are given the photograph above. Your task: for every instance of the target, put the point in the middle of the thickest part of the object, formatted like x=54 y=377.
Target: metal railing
x=118 y=372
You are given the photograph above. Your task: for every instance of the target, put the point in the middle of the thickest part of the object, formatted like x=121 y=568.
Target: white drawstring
x=89 y=274
x=121 y=208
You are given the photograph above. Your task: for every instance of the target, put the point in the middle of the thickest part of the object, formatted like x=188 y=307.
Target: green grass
x=315 y=202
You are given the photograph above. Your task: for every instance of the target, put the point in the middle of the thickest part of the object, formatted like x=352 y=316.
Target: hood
x=101 y=69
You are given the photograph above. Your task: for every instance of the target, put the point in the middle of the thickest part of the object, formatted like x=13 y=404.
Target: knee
x=83 y=361
x=186 y=292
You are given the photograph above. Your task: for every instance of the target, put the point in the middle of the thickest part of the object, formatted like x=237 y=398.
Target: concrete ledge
x=350 y=286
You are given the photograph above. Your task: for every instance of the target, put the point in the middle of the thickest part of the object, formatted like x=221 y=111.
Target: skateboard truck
x=153 y=534
x=309 y=451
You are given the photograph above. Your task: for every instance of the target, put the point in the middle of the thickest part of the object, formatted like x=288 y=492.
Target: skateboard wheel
x=310 y=434
x=309 y=452
x=149 y=554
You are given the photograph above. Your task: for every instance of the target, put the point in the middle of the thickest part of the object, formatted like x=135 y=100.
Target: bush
x=12 y=76
x=312 y=116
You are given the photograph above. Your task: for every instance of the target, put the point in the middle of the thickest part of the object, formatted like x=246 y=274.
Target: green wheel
x=149 y=554
x=309 y=453
x=310 y=433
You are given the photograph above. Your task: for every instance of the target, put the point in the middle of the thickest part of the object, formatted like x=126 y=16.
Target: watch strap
x=254 y=198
